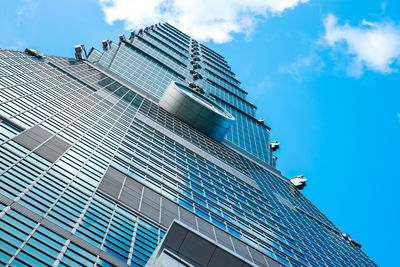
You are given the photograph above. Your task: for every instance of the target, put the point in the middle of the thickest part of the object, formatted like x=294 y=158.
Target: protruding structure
x=197 y=110
x=78 y=52
x=197 y=88
x=349 y=239
x=105 y=44
x=122 y=38
x=35 y=53
x=132 y=36
x=299 y=181
x=274 y=145
x=196 y=65
x=196 y=75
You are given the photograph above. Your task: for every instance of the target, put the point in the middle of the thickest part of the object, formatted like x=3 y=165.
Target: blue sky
x=324 y=74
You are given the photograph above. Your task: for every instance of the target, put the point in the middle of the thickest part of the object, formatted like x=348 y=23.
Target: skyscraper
x=147 y=152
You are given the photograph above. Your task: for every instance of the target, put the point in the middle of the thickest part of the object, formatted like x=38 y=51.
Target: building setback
x=147 y=152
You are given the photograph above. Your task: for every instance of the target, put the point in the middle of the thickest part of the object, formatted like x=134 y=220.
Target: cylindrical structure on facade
x=197 y=110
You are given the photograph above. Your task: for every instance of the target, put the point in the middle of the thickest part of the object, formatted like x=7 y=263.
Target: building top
x=176 y=57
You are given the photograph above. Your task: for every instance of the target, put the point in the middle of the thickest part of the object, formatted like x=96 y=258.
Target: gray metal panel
x=32 y=137
x=38 y=133
x=131 y=193
x=5 y=200
x=57 y=144
x=27 y=212
x=187 y=217
x=53 y=148
x=26 y=141
x=197 y=249
x=241 y=248
x=223 y=238
x=112 y=182
x=273 y=263
x=169 y=212
x=258 y=258
x=223 y=258
x=176 y=235
x=167 y=259
x=48 y=153
x=206 y=228
x=111 y=99
x=150 y=205
x=35 y=139
x=95 y=98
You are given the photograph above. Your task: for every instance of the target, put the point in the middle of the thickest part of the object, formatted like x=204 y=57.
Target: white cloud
x=398 y=116
x=373 y=45
x=367 y=23
x=205 y=20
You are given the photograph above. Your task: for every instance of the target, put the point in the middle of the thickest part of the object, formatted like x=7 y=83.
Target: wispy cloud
x=372 y=45
x=304 y=66
x=398 y=116
x=205 y=20
x=25 y=7
x=261 y=88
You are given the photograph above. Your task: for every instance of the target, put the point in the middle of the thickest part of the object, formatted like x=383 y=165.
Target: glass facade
x=93 y=170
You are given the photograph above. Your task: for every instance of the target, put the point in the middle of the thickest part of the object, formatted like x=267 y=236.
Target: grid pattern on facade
x=200 y=186
x=221 y=92
x=165 y=119
x=143 y=71
x=94 y=55
x=165 y=46
x=63 y=192
x=156 y=52
x=219 y=151
x=167 y=39
x=270 y=184
x=247 y=133
x=70 y=208
x=27 y=239
x=222 y=74
x=107 y=57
